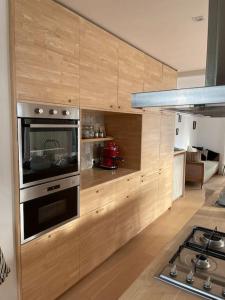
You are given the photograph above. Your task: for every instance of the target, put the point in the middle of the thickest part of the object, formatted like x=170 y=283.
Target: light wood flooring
x=116 y=274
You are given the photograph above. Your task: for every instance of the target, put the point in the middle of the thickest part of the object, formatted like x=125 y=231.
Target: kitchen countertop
x=96 y=176
x=146 y=287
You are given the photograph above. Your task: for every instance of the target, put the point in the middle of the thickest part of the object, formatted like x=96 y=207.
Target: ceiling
x=163 y=28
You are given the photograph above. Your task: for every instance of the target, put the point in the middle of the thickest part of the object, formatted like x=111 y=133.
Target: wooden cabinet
x=153 y=74
x=126 y=209
x=179 y=164
x=93 y=198
x=98 y=67
x=165 y=190
x=167 y=136
x=169 y=78
x=50 y=264
x=148 y=198
x=46 y=52
x=150 y=141
x=97 y=237
x=131 y=74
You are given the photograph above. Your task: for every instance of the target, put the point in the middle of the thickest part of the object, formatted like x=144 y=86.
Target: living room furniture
x=201 y=171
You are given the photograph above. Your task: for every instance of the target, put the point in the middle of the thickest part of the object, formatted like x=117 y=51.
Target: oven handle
x=53 y=126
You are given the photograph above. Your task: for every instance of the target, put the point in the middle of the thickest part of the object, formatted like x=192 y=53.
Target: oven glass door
x=50 y=148
x=43 y=213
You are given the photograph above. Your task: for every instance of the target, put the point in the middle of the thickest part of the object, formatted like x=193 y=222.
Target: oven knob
x=208 y=284
x=53 y=111
x=66 y=112
x=39 y=111
x=190 y=277
x=173 y=271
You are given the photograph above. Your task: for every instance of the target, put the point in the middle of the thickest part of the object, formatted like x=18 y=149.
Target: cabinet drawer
x=96 y=197
x=127 y=185
x=97 y=237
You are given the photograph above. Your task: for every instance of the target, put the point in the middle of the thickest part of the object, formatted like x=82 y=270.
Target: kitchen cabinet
x=167 y=137
x=98 y=67
x=94 y=198
x=150 y=144
x=131 y=75
x=165 y=190
x=148 y=198
x=126 y=209
x=169 y=78
x=97 y=237
x=50 y=264
x=153 y=74
x=46 y=52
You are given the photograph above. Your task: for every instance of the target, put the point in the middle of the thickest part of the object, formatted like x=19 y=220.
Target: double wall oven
x=49 y=167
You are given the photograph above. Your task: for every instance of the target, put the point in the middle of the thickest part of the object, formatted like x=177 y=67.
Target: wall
x=8 y=288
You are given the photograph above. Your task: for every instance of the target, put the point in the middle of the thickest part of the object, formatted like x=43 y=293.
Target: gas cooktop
x=198 y=266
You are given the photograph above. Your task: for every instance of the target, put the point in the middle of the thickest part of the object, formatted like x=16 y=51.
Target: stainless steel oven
x=49 y=205
x=49 y=143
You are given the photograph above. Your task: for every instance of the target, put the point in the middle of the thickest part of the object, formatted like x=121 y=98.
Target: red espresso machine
x=110 y=156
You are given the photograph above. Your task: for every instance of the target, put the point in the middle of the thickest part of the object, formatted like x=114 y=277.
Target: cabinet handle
x=119 y=106
x=69 y=100
x=111 y=106
x=128 y=179
x=97 y=191
x=97 y=211
x=127 y=197
x=142 y=181
x=49 y=236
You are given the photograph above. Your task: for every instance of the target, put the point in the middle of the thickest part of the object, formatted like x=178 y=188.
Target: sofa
x=201 y=165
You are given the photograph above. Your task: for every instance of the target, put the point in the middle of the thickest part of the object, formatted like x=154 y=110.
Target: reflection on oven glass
x=51 y=211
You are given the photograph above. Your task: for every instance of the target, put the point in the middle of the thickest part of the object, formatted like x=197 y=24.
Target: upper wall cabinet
x=46 y=52
x=131 y=74
x=153 y=74
x=98 y=67
x=169 y=78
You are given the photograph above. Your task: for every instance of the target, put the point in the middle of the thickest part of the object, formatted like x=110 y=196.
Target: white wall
x=8 y=290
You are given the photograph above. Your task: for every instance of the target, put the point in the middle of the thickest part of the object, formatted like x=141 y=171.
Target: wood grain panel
x=131 y=74
x=97 y=237
x=150 y=141
x=50 y=264
x=169 y=78
x=46 y=52
x=98 y=67
x=167 y=136
x=153 y=75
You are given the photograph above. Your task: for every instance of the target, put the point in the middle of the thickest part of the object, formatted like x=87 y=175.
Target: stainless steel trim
x=49 y=179
x=53 y=126
x=188 y=288
x=19 y=137
x=23 y=240
x=27 y=110
x=42 y=190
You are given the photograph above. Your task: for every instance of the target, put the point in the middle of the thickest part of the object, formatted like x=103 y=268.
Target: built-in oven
x=48 y=139
x=47 y=206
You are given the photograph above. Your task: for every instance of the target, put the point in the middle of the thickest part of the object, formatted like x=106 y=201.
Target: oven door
x=48 y=150
x=47 y=206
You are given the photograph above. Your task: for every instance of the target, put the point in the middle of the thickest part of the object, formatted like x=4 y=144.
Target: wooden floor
x=114 y=276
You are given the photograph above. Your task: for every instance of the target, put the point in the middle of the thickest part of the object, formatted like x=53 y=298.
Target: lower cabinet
x=165 y=190
x=97 y=237
x=50 y=264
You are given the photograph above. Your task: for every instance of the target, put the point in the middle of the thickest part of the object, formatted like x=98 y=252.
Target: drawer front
x=97 y=197
x=127 y=185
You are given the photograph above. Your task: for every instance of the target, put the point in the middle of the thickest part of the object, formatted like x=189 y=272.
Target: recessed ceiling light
x=198 y=18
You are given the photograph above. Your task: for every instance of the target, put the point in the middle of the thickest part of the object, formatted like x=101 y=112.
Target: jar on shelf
x=86 y=132
x=91 y=132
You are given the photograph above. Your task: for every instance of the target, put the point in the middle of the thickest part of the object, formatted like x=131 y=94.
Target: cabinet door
x=131 y=74
x=148 y=199
x=98 y=67
x=50 y=264
x=165 y=190
x=178 y=175
x=93 y=198
x=153 y=74
x=169 y=78
x=150 y=141
x=167 y=136
x=126 y=208
x=46 y=52
x=97 y=237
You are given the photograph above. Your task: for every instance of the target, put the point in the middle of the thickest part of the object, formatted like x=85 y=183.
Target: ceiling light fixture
x=198 y=18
